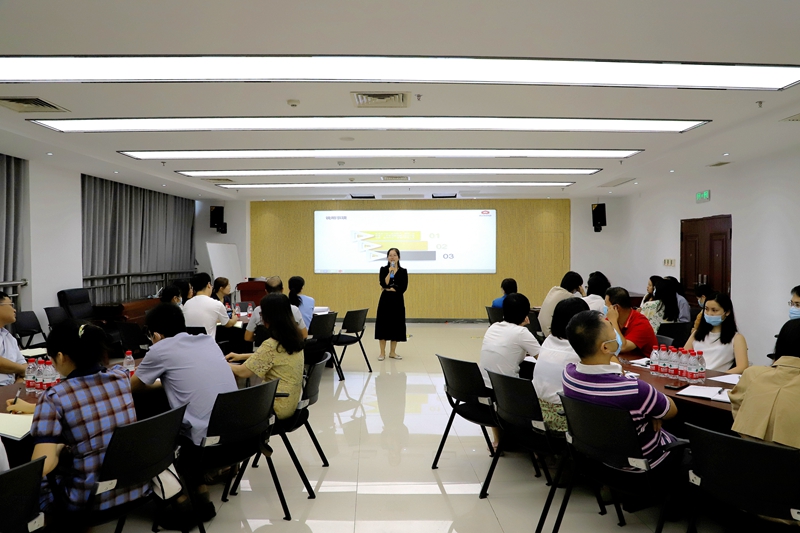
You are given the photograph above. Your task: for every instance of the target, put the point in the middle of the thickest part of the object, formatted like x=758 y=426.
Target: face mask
x=713 y=320
x=701 y=303
x=794 y=313
x=605 y=310
x=618 y=340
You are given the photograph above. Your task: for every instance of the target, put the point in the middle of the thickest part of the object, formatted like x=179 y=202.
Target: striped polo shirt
x=605 y=385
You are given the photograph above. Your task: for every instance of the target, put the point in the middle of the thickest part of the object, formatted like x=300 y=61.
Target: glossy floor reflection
x=380 y=432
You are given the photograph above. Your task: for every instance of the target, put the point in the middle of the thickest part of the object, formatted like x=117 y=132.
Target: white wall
x=237 y=215
x=761 y=198
x=53 y=237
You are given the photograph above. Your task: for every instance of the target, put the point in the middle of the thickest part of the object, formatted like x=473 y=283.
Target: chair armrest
x=679 y=443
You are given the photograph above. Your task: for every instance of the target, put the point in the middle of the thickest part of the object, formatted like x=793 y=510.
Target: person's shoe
x=395 y=356
x=206 y=510
x=381 y=357
x=178 y=517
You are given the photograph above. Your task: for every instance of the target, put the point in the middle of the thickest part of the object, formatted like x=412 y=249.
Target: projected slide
x=430 y=241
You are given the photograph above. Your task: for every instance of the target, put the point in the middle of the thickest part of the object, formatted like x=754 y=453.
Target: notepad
x=322 y=310
x=33 y=352
x=733 y=379
x=15 y=427
x=718 y=394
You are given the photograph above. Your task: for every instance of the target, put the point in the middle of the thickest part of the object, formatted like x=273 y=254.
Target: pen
x=16 y=397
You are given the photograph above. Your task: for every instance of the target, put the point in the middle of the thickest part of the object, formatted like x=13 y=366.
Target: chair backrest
x=355 y=321
x=313 y=379
x=463 y=381
x=139 y=451
x=241 y=415
x=678 y=331
x=759 y=477
x=196 y=330
x=252 y=291
x=27 y=326
x=19 y=496
x=77 y=303
x=666 y=341
x=55 y=316
x=605 y=434
x=495 y=314
x=534 y=326
x=517 y=403
x=322 y=326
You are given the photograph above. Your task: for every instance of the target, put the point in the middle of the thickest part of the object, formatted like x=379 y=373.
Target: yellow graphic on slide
x=377 y=243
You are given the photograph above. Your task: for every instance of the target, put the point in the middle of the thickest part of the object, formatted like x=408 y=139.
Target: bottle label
x=39 y=384
x=30 y=383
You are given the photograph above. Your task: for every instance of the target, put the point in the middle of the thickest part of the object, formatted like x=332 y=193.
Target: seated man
x=794 y=304
x=204 y=311
x=571 y=283
x=632 y=326
x=598 y=380
x=506 y=343
x=509 y=286
x=12 y=364
x=193 y=372
x=274 y=285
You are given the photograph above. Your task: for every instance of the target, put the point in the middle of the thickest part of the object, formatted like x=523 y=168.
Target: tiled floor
x=380 y=432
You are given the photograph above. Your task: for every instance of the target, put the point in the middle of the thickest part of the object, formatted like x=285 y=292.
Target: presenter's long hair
x=276 y=313
x=389 y=263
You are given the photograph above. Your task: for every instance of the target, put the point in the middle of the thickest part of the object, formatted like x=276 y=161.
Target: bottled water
x=683 y=366
x=249 y=310
x=238 y=310
x=128 y=363
x=692 y=368
x=663 y=361
x=49 y=376
x=674 y=362
x=654 y=358
x=701 y=368
x=39 y=376
x=229 y=310
x=30 y=376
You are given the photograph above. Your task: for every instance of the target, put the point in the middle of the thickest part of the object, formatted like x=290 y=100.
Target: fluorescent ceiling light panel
x=398 y=123
x=390 y=172
x=441 y=184
x=459 y=70
x=380 y=153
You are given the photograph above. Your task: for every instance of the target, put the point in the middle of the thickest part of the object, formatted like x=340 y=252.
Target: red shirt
x=639 y=331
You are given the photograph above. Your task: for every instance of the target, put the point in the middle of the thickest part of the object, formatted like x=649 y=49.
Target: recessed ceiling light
x=413 y=153
x=390 y=172
x=394 y=123
x=49 y=153
x=726 y=154
x=116 y=172
x=513 y=71
x=636 y=183
x=672 y=171
x=609 y=192
x=164 y=185
x=384 y=185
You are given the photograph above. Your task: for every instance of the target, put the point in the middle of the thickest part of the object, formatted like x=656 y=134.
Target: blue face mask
x=605 y=310
x=794 y=313
x=618 y=340
x=713 y=320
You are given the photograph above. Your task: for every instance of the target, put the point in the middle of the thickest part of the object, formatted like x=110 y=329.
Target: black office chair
x=19 y=497
x=679 y=331
x=26 y=328
x=534 y=326
x=495 y=314
x=666 y=341
x=604 y=446
x=55 y=316
x=320 y=341
x=763 y=481
x=469 y=397
x=355 y=323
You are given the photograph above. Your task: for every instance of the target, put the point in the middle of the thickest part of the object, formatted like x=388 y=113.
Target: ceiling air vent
x=217 y=180
x=443 y=196
x=30 y=105
x=720 y=164
x=362 y=196
x=395 y=178
x=616 y=183
x=380 y=100
x=793 y=118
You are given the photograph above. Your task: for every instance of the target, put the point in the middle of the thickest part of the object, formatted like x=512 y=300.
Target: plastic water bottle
x=49 y=376
x=701 y=368
x=654 y=358
x=249 y=310
x=663 y=361
x=683 y=366
x=674 y=362
x=30 y=376
x=238 y=310
x=128 y=363
x=39 y=377
x=691 y=368
x=229 y=310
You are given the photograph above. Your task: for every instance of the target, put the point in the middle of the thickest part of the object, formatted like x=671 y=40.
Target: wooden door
x=706 y=253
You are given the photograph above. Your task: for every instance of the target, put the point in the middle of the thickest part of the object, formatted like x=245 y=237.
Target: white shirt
x=10 y=350
x=204 y=311
x=255 y=320
x=555 y=295
x=718 y=356
x=553 y=359
x=306 y=308
x=595 y=302
x=504 y=347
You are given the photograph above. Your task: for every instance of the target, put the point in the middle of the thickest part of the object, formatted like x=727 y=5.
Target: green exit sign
x=703 y=197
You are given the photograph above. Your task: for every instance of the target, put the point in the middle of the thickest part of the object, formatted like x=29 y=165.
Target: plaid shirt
x=82 y=412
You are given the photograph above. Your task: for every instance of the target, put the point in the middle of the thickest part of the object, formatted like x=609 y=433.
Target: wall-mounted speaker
x=217 y=216
x=222 y=228
x=598 y=217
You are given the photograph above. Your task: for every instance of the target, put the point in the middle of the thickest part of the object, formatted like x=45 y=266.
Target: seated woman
x=764 y=402
x=74 y=420
x=279 y=357
x=651 y=287
x=556 y=352
x=304 y=303
x=663 y=307
x=596 y=288
x=723 y=347
x=221 y=290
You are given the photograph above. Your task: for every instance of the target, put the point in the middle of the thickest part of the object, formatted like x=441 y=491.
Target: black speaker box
x=217 y=215
x=222 y=228
x=598 y=215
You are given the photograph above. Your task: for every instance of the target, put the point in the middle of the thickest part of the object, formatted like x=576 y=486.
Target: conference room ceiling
x=714 y=31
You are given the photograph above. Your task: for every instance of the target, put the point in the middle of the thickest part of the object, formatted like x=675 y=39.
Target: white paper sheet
x=15 y=426
x=718 y=394
x=733 y=379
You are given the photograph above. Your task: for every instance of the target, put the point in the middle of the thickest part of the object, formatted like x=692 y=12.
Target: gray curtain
x=13 y=179
x=129 y=230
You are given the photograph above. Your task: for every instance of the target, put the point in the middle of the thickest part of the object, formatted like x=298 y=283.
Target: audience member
x=651 y=287
x=596 y=289
x=186 y=289
x=192 y=371
x=598 y=380
x=724 y=348
x=274 y=286
x=794 y=304
x=304 y=303
x=202 y=310
x=172 y=295
x=554 y=356
x=222 y=290
x=571 y=283
x=279 y=357
x=684 y=314
x=702 y=292
x=506 y=343
x=764 y=402
x=74 y=420
x=664 y=305
x=12 y=364
x=509 y=286
x=633 y=327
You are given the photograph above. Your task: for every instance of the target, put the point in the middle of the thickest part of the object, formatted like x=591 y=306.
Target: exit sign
x=703 y=197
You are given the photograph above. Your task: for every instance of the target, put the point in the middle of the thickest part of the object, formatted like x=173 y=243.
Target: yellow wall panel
x=532 y=247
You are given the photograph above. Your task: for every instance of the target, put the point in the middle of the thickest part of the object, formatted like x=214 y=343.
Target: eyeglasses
x=794 y=304
x=13 y=306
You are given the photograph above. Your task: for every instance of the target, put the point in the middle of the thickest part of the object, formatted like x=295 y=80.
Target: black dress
x=390 y=322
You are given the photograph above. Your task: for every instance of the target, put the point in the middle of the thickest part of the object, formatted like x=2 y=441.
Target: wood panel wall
x=532 y=247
